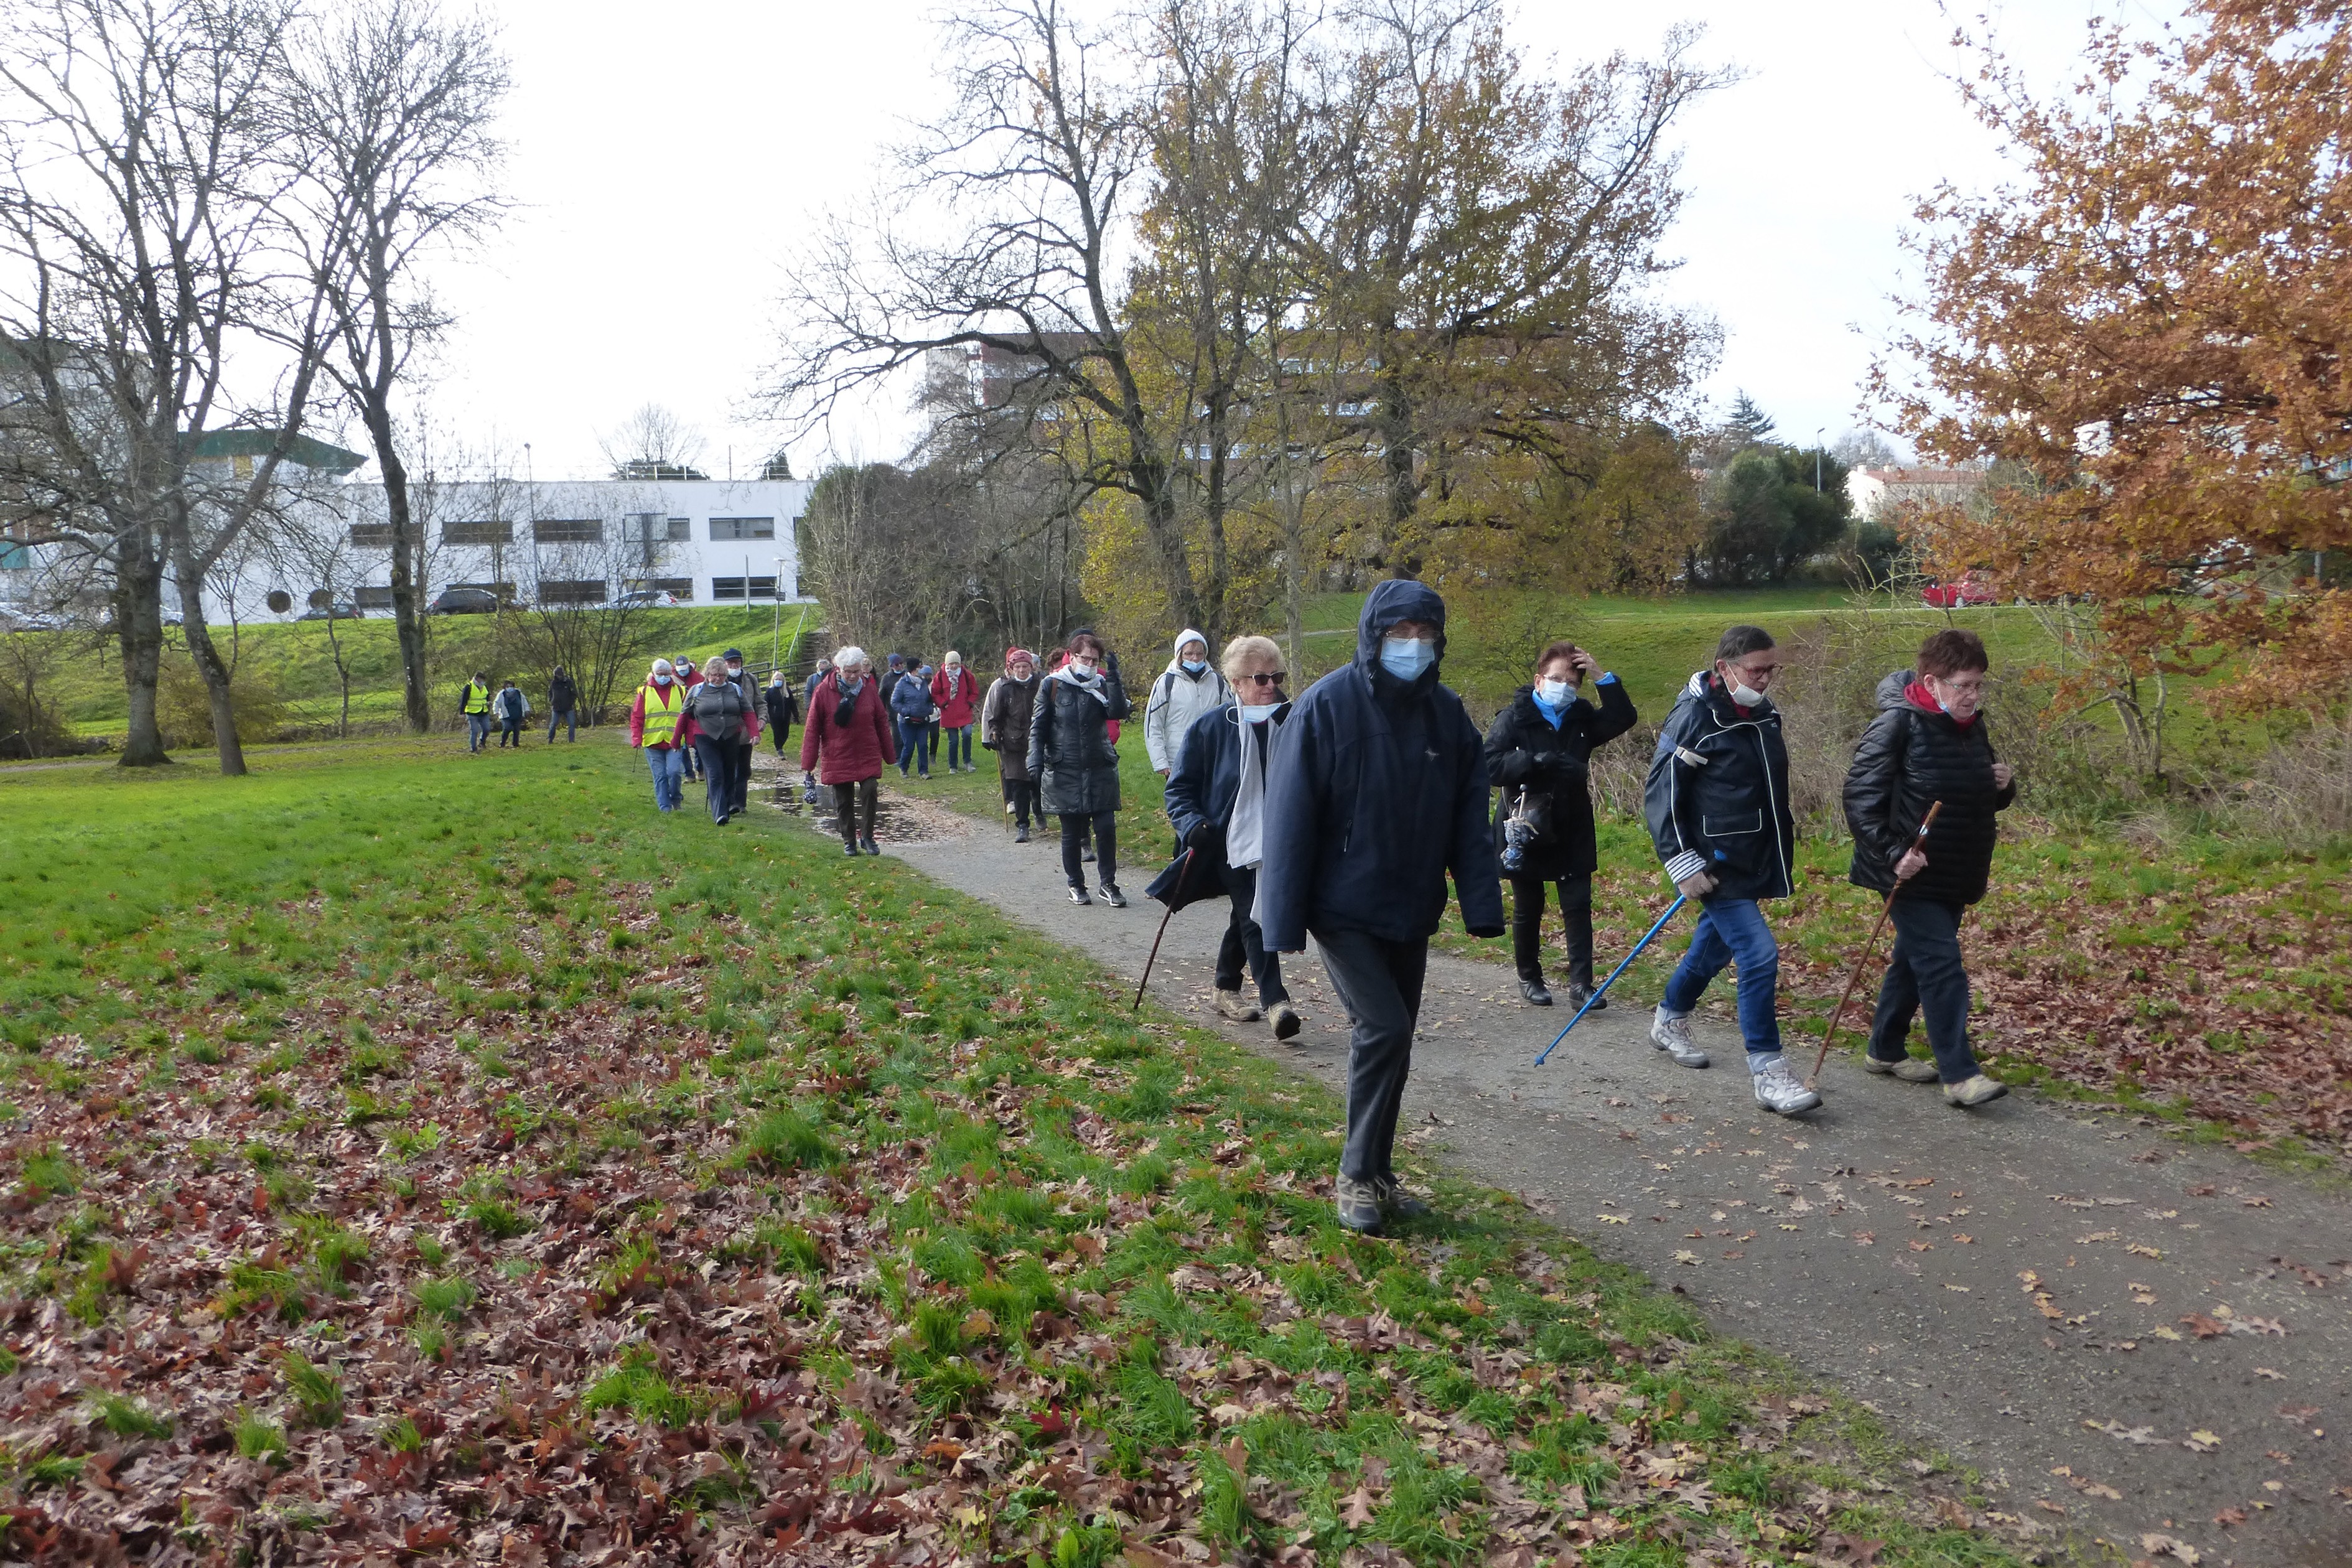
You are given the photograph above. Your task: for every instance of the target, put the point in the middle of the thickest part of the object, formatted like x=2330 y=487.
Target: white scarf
x=1245 y=832
x=1092 y=685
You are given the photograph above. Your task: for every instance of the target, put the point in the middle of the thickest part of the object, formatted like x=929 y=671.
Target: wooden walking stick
x=1175 y=897
x=1919 y=842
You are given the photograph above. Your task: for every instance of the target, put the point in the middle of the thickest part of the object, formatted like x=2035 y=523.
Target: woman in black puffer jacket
x=1928 y=744
x=1075 y=765
x=1537 y=750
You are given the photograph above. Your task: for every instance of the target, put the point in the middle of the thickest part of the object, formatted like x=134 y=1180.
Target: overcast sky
x=667 y=159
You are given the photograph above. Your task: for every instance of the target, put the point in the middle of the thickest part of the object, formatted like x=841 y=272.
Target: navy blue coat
x=1207 y=777
x=1717 y=795
x=1376 y=790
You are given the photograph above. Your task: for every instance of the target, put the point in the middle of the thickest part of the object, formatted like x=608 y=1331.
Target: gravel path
x=2126 y=1336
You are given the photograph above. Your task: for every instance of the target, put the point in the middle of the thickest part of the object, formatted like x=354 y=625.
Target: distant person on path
x=747 y=741
x=562 y=700
x=1004 y=729
x=912 y=704
x=1187 y=689
x=1377 y=790
x=654 y=719
x=782 y=708
x=846 y=741
x=1717 y=803
x=957 y=695
x=1538 y=752
x=512 y=708
x=1928 y=744
x=1216 y=801
x=715 y=715
x=1076 y=764
x=473 y=704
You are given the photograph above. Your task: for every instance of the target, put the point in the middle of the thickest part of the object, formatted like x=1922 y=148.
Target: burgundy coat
x=955 y=691
x=839 y=753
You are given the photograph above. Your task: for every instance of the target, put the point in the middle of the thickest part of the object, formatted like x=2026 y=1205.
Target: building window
x=477 y=533
x=726 y=529
x=568 y=531
x=373 y=598
x=734 y=587
x=572 y=590
x=681 y=528
x=371 y=536
x=15 y=557
x=679 y=588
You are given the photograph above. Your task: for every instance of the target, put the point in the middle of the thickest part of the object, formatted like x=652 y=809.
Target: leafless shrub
x=2302 y=788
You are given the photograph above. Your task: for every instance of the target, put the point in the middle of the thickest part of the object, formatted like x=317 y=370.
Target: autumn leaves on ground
x=416 y=1156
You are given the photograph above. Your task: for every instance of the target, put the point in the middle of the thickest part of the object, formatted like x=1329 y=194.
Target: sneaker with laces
x=1234 y=1005
x=1287 y=1021
x=1359 y=1203
x=1777 y=1088
x=1971 y=1092
x=1671 y=1033
x=1910 y=1069
x=1112 y=896
x=1078 y=895
x=1398 y=1204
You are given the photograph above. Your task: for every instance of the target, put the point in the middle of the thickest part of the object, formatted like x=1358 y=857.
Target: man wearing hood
x=1376 y=789
x=1187 y=689
x=1718 y=805
x=1928 y=744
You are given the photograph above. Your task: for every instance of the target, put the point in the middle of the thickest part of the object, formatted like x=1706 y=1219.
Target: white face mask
x=1742 y=693
x=1258 y=712
x=1556 y=693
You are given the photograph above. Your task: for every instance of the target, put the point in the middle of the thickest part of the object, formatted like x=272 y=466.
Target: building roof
x=308 y=451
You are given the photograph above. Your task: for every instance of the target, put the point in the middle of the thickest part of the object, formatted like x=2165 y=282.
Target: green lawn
x=396 y=1136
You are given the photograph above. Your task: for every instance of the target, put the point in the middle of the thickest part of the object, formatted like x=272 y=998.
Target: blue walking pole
x=1598 y=990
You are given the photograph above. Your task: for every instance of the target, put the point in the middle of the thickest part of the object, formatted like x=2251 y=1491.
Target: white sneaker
x=1778 y=1088
x=1672 y=1034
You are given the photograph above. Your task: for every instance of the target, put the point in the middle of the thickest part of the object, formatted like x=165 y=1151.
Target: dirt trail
x=2123 y=1334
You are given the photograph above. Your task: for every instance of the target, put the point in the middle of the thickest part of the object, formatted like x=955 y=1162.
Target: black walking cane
x=1174 y=900
x=1919 y=841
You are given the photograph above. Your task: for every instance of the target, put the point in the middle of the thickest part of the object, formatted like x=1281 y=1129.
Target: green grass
x=876 y=1176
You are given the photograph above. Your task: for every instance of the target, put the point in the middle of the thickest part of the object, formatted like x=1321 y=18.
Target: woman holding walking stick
x=1928 y=744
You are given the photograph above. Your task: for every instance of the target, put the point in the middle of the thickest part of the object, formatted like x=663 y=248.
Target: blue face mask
x=1406 y=658
x=1195 y=665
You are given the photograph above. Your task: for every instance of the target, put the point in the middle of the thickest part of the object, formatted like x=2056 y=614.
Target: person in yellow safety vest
x=654 y=718
x=473 y=702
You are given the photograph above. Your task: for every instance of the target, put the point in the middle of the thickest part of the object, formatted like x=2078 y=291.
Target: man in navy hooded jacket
x=1375 y=790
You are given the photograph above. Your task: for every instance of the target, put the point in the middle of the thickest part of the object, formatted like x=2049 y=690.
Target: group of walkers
x=705 y=721
x=505 y=707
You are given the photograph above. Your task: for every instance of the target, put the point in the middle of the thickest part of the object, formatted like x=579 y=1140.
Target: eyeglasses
x=1260 y=678
x=1974 y=683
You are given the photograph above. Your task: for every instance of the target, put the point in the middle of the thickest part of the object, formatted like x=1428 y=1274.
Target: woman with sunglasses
x=1537 y=750
x=1216 y=800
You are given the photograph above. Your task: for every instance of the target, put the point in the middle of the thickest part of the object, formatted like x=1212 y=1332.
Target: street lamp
x=1819 y=430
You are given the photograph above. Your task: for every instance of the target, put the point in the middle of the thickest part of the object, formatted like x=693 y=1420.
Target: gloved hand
x=1697 y=885
x=1547 y=761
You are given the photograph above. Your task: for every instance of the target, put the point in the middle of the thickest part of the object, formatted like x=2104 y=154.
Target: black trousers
x=1378 y=982
x=780 y=734
x=1925 y=974
x=745 y=749
x=1245 y=943
x=1105 y=827
x=853 y=805
x=718 y=765
x=1526 y=926
x=1020 y=795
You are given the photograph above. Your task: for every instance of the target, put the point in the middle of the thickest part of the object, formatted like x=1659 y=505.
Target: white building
x=1874 y=490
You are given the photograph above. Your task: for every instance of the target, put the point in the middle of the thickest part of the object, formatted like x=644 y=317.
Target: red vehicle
x=1970 y=589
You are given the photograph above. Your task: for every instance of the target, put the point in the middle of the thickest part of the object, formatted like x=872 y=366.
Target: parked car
x=1970 y=589
x=644 y=599
x=464 y=602
x=341 y=610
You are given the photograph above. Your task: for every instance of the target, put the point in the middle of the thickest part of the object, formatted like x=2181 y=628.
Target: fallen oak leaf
x=1358 y=1514
x=2202 y=1441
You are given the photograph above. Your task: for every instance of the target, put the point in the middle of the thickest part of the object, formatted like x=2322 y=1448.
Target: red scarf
x=1919 y=697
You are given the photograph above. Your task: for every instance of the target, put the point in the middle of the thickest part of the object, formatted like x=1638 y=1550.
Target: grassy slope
x=457 y=1127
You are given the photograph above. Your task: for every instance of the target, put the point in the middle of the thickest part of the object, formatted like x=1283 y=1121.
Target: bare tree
x=394 y=108
x=653 y=443
x=145 y=244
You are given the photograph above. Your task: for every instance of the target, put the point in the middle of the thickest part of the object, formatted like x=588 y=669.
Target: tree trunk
x=1397 y=451
x=139 y=627
x=405 y=618
x=1159 y=521
x=216 y=673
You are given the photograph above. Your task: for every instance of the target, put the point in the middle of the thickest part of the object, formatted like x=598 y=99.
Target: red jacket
x=845 y=753
x=954 y=691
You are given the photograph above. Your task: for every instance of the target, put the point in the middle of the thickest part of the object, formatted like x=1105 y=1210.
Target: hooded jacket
x=561 y=693
x=1525 y=751
x=1717 y=795
x=1178 y=699
x=841 y=753
x=1375 y=791
x=1071 y=753
x=1909 y=758
x=911 y=699
x=1005 y=723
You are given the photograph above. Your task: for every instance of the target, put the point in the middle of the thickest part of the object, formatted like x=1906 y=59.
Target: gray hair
x=1243 y=650
x=847 y=658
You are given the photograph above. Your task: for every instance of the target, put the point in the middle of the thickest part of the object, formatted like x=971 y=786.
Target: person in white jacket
x=1189 y=686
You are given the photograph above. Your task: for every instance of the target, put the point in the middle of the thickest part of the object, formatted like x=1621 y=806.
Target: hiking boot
x=1234 y=1005
x=1079 y=896
x=1971 y=1092
x=872 y=847
x=1398 y=1204
x=1359 y=1203
x=1672 y=1034
x=1578 y=995
x=1112 y=896
x=1020 y=835
x=1910 y=1069
x=1287 y=1021
x=1777 y=1088
x=1533 y=990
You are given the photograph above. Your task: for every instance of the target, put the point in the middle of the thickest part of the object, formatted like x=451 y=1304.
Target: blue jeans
x=959 y=746
x=478 y=730
x=570 y=716
x=915 y=746
x=1732 y=930
x=668 y=765
x=1926 y=976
